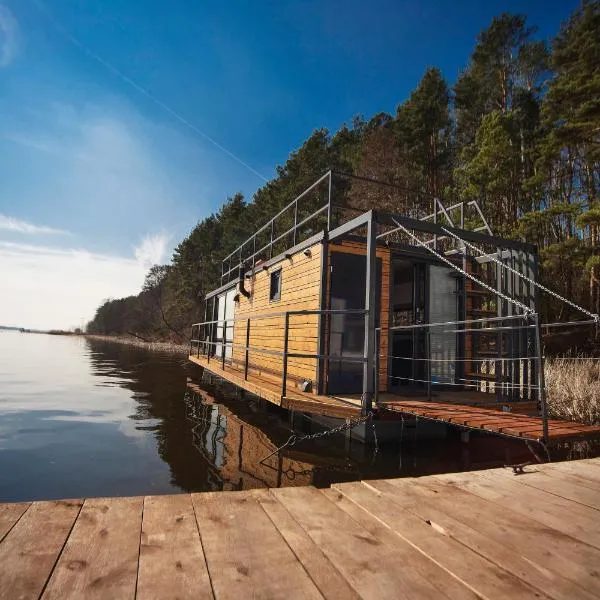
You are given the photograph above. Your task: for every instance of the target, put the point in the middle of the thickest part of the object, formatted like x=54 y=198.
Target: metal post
x=329 y=204
x=191 y=342
x=271 y=244
x=247 y=350
x=428 y=346
x=285 y=357
x=541 y=380
x=295 y=222
x=223 y=336
x=369 y=347
x=376 y=363
x=435 y=213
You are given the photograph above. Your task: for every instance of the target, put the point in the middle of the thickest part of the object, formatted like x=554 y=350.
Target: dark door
x=408 y=369
x=347 y=332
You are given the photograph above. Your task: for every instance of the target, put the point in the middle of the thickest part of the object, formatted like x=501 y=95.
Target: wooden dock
x=496 y=421
x=464 y=409
x=486 y=534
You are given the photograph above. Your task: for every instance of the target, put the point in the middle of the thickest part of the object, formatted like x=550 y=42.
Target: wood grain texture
x=246 y=555
x=373 y=567
x=321 y=570
x=171 y=563
x=475 y=572
x=100 y=559
x=300 y=290
x=10 y=514
x=29 y=551
x=501 y=536
x=564 y=516
x=482 y=534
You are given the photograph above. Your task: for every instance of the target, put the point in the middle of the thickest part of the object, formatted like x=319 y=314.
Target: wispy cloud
x=72 y=282
x=9 y=36
x=18 y=226
x=152 y=249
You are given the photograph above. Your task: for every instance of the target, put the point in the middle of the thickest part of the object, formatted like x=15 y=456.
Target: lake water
x=81 y=418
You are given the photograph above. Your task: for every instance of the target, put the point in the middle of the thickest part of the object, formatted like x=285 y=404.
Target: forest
x=519 y=132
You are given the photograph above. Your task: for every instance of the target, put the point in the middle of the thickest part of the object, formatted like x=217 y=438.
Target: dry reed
x=152 y=346
x=573 y=389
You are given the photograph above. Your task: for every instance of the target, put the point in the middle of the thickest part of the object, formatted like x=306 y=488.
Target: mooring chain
x=593 y=316
x=350 y=424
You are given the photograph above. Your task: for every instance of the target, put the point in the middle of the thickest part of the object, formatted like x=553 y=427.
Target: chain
x=523 y=276
x=454 y=266
x=350 y=424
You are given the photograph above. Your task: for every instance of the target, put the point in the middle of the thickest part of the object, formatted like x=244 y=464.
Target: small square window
x=275 y=289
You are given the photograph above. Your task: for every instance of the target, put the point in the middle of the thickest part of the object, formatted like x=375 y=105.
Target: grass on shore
x=573 y=389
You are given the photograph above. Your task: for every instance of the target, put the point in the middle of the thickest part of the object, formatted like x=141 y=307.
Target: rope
x=523 y=276
x=474 y=382
x=524 y=308
x=455 y=360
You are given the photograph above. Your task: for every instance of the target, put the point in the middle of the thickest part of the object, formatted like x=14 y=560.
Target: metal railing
x=246 y=254
x=203 y=339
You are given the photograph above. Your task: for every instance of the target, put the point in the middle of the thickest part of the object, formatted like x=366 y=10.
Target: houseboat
x=339 y=311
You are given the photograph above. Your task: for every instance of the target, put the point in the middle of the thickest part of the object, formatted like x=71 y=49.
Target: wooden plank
x=582 y=522
x=321 y=570
x=585 y=474
x=446 y=584
x=171 y=563
x=246 y=555
x=29 y=551
x=100 y=558
x=560 y=485
x=563 y=570
x=373 y=566
x=480 y=576
x=10 y=514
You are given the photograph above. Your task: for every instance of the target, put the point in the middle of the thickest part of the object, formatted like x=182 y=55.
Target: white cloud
x=152 y=250
x=59 y=288
x=17 y=225
x=9 y=36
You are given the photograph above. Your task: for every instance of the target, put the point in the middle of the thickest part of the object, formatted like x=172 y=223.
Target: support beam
x=386 y=218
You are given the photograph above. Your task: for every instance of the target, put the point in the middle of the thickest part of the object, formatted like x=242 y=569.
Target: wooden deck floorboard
x=463 y=535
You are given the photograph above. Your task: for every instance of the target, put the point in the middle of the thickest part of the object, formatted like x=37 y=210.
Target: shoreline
x=170 y=347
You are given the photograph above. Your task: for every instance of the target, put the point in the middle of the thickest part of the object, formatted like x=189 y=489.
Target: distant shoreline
x=131 y=341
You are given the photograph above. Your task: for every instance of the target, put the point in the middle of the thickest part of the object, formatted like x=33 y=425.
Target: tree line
x=519 y=132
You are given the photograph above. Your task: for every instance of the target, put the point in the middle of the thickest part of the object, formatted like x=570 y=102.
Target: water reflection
x=81 y=417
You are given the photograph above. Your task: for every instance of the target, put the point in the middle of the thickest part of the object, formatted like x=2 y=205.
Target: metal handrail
x=271 y=224
x=285 y=354
x=334 y=311
x=274 y=241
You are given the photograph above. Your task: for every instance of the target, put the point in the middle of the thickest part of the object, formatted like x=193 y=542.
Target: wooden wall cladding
x=300 y=290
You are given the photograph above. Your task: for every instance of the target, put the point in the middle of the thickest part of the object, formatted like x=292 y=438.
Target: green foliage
x=520 y=133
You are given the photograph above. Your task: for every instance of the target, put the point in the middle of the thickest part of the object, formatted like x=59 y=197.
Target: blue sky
x=98 y=180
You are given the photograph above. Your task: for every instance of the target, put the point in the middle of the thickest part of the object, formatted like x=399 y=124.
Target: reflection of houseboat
x=243 y=455
x=327 y=312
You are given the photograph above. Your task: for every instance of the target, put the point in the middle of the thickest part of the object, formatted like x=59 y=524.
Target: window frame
x=275 y=297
